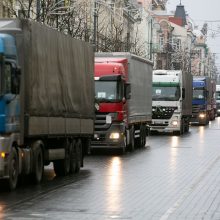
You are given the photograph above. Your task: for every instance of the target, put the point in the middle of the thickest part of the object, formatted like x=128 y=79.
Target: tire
x=124 y=144
x=38 y=164
x=207 y=119
x=13 y=170
x=138 y=141
x=132 y=139
x=78 y=156
x=143 y=137
x=62 y=167
x=73 y=159
x=186 y=127
x=181 y=131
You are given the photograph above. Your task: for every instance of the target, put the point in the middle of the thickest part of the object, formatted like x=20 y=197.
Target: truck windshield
x=108 y=91
x=166 y=93
x=198 y=94
x=218 y=95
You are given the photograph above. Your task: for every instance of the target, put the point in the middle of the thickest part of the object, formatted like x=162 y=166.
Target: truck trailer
x=204 y=106
x=171 y=101
x=46 y=102
x=217 y=97
x=123 y=83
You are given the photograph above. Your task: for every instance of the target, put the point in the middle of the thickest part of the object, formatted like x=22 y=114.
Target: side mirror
x=207 y=94
x=183 y=93
x=127 y=94
x=123 y=100
x=15 y=81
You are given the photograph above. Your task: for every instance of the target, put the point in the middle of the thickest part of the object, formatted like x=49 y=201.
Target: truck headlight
x=114 y=135
x=174 y=123
x=202 y=115
x=218 y=110
x=3 y=155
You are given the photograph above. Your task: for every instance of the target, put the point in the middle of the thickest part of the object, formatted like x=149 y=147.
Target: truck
x=204 y=107
x=46 y=101
x=123 y=83
x=217 y=96
x=171 y=101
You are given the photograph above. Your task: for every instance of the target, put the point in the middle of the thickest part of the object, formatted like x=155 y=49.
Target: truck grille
x=195 y=109
x=160 y=112
x=100 y=121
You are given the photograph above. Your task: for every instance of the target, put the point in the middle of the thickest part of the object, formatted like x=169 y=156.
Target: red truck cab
x=110 y=94
x=123 y=94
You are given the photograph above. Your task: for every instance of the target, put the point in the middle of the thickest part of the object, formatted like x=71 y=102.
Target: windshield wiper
x=164 y=99
x=107 y=100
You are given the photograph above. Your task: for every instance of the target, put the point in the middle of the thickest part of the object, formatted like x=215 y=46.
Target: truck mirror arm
x=183 y=93
x=127 y=90
x=15 y=84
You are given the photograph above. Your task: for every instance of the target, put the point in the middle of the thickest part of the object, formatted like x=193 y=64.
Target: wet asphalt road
x=171 y=178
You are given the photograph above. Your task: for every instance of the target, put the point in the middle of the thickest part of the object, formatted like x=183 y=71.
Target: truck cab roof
x=110 y=60
x=166 y=76
x=103 y=69
x=167 y=72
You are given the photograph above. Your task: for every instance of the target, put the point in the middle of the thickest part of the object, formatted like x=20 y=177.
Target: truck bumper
x=4 y=174
x=218 y=112
x=5 y=148
x=110 y=138
x=167 y=126
x=199 y=119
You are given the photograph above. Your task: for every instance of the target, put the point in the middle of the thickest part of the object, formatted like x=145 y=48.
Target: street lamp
x=95 y=28
x=133 y=15
x=38 y=8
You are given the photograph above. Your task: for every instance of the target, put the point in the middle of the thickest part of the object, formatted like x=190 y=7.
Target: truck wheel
x=78 y=156
x=62 y=167
x=207 y=119
x=132 y=139
x=181 y=131
x=138 y=140
x=38 y=164
x=186 y=127
x=124 y=143
x=143 y=136
x=13 y=170
x=73 y=159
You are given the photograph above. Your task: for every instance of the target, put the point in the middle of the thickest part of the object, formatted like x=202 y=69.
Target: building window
x=22 y=13
x=176 y=44
x=161 y=42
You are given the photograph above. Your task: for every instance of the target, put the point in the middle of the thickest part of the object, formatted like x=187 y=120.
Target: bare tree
x=181 y=60
x=138 y=44
x=76 y=18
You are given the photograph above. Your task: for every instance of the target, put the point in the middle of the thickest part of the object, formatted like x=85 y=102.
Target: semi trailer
x=46 y=101
x=123 y=83
x=171 y=101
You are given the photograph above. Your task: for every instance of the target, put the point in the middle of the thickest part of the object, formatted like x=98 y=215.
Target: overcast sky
x=201 y=11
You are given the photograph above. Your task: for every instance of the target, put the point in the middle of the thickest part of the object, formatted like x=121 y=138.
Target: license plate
x=158 y=122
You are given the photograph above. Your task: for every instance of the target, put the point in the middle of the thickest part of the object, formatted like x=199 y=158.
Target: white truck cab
x=171 y=101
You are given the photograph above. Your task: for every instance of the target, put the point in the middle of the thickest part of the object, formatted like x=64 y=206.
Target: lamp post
x=95 y=26
x=57 y=17
x=151 y=38
x=128 y=33
x=130 y=13
x=38 y=8
x=133 y=15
